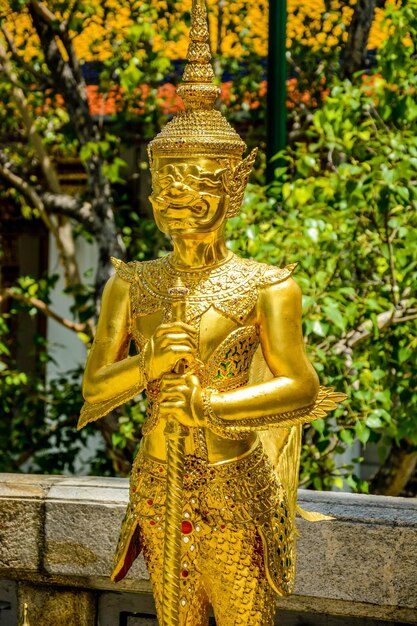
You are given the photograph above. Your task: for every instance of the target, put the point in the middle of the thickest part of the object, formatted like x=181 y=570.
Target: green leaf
x=319 y=425
x=373 y=421
x=346 y=435
x=84 y=337
x=334 y=315
x=404 y=354
x=378 y=374
x=362 y=432
x=319 y=328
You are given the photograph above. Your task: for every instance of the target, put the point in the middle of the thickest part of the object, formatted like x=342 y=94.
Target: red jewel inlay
x=186 y=527
x=161 y=469
x=223 y=526
x=150 y=502
x=184 y=573
x=152 y=523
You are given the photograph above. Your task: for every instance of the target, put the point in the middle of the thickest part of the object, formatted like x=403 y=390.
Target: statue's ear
x=238 y=181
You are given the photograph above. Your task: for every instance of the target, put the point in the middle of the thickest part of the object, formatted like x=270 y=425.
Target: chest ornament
x=230 y=288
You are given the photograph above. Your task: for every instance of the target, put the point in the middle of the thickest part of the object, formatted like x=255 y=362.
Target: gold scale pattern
x=237 y=525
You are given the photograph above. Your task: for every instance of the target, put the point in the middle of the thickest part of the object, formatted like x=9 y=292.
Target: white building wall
x=67 y=349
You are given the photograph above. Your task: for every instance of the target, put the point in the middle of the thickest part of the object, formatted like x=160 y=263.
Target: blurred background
x=84 y=86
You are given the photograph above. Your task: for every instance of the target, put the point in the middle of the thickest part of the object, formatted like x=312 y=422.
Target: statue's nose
x=177 y=189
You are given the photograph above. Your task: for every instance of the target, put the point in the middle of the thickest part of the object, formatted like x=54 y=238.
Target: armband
x=326 y=401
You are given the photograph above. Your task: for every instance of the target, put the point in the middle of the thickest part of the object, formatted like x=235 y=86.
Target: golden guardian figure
x=221 y=356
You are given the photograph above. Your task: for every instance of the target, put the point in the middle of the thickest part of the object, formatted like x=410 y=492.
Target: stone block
x=49 y=606
x=368 y=553
x=21 y=521
x=82 y=523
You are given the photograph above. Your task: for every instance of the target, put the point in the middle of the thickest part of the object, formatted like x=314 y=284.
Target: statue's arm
x=295 y=384
x=110 y=372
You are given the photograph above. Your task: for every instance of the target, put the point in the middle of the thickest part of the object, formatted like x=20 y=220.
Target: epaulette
x=126 y=271
x=275 y=275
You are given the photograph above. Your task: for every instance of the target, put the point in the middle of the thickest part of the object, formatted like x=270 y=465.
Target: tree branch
x=72 y=57
x=355 y=52
x=47 y=15
x=29 y=192
x=61 y=231
x=70 y=206
x=60 y=228
x=68 y=81
x=31 y=131
x=72 y=10
x=49 y=203
x=388 y=241
x=44 y=80
x=67 y=75
x=61 y=31
x=383 y=320
x=5 y=294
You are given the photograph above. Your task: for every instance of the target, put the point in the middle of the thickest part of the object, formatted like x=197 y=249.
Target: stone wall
x=58 y=536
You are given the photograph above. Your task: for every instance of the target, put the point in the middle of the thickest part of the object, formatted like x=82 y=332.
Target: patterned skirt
x=219 y=501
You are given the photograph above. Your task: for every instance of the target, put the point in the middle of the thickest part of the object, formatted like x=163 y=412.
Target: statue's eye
x=202 y=182
x=164 y=181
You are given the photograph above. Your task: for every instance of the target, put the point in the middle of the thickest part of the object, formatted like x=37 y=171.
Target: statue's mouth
x=182 y=207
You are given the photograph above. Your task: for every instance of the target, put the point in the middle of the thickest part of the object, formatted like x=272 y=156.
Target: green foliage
x=37 y=429
x=345 y=210
x=130 y=423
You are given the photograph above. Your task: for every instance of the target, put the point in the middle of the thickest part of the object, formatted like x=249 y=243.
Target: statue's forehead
x=190 y=166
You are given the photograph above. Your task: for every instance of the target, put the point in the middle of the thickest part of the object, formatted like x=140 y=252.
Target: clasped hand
x=180 y=393
x=181 y=396
x=170 y=344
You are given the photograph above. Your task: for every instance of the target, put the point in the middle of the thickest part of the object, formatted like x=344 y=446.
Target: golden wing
x=326 y=401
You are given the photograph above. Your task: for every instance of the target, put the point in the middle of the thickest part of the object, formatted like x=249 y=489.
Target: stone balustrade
x=58 y=536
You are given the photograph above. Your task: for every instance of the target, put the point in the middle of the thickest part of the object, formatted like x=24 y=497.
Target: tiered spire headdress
x=200 y=129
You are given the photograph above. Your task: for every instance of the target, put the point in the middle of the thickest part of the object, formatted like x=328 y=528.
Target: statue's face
x=189 y=195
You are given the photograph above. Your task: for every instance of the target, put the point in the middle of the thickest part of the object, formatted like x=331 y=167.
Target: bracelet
x=238 y=429
x=220 y=427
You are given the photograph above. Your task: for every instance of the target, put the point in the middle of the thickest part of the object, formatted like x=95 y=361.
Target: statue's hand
x=181 y=396
x=170 y=344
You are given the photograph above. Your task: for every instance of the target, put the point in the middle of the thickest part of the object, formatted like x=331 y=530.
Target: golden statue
x=221 y=355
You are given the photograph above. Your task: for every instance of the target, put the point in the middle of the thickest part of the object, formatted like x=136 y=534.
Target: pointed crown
x=200 y=128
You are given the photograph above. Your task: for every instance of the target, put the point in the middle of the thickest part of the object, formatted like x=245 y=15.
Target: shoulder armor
x=126 y=271
x=274 y=275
